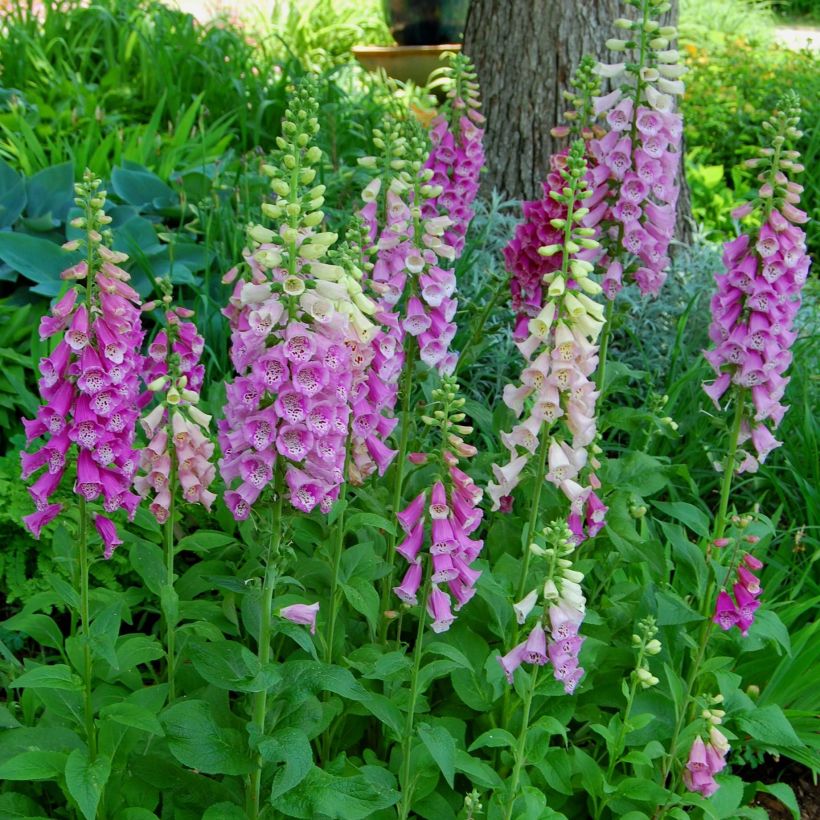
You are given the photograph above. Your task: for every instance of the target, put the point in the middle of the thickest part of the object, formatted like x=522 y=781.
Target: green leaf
x=385 y=710
x=130 y=714
x=725 y=802
x=230 y=665
x=358 y=520
x=673 y=610
x=494 y=738
x=442 y=747
x=769 y=726
x=33 y=765
x=140 y=187
x=225 y=811
x=363 y=597
x=149 y=563
x=204 y=540
x=784 y=793
x=291 y=747
x=40 y=627
x=16 y=806
x=324 y=794
x=55 y=676
x=51 y=192
x=639 y=788
x=479 y=772
x=12 y=195
x=37 y=259
x=86 y=779
x=196 y=740
x=687 y=514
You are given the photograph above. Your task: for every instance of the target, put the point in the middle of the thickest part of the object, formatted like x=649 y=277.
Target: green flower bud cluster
x=459 y=80
x=562 y=583
x=583 y=86
x=777 y=160
x=448 y=416
x=656 y=69
x=647 y=644
x=294 y=245
x=297 y=201
x=572 y=306
x=91 y=200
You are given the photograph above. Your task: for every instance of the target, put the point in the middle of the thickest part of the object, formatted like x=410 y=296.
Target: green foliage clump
x=729 y=90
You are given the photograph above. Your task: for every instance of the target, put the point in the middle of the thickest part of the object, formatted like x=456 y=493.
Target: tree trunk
x=525 y=52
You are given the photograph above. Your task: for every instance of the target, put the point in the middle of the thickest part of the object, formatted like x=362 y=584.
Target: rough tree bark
x=525 y=52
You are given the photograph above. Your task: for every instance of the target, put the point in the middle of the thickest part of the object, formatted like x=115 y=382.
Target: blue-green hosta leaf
x=37 y=259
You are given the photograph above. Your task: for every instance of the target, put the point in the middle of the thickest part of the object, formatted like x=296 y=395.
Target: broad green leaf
x=55 y=676
x=356 y=521
x=133 y=650
x=673 y=610
x=769 y=726
x=687 y=514
x=292 y=748
x=12 y=195
x=141 y=187
x=361 y=594
x=16 y=806
x=86 y=780
x=37 y=259
x=130 y=714
x=494 y=738
x=149 y=563
x=784 y=793
x=442 y=747
x=725 y=802
x=480 y=773
x=33 y=765
x=197 y=741
x=324 y=794
x=204 y=540
x=638 y=788
x=38 y=626
x=50 y=192
x=230 y=665
x=225 y=811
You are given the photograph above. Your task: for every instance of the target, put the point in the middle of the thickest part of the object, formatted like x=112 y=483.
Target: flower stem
x=263 y=649
x=338 y=546
x=708 y=624
x=603 y=345
x=398 y=476
x=170 y=624
x=85 y=621
x=406 y=788
x=522 y=741
x=535 y=504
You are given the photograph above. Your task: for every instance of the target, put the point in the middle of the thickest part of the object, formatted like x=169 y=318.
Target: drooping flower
x=638 y=159
x=707 y=758
x=292 y=320
x=179 y=445
x=443 y=520
x=561 y=612
x=555 y=396
x=90 y=382
x=304 y=614
x=758 y=296
x=457 y=153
